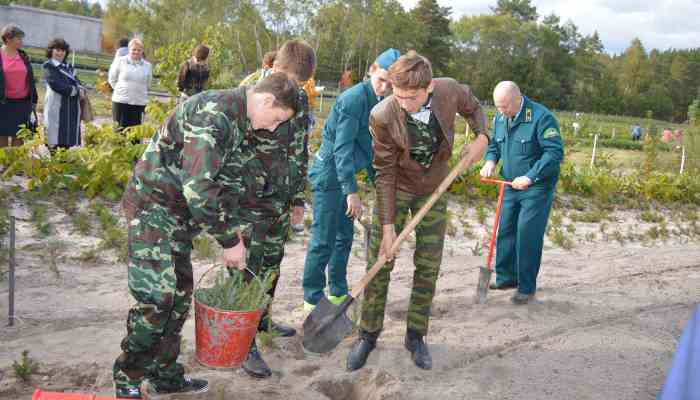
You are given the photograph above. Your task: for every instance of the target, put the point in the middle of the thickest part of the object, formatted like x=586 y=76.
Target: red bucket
x=39 y=395
x=223 y=338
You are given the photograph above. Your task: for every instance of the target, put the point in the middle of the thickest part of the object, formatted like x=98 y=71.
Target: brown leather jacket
x=395 y=168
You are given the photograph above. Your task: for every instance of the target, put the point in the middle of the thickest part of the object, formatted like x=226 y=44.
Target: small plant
x=481 y=213
x=53 y=253
x=476 y=249
x=25 y=368
x=90 y=255
x=39 y=219
x=651 y=217
x=590 y=237
x=560 y=239
x=555 y=220
x=619 y=237
x=81 y=222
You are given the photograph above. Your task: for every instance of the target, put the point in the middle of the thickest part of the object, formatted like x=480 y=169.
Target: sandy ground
x=604 y=325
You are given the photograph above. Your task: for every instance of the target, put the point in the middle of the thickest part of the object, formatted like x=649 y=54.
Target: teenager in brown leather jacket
x=413 y=140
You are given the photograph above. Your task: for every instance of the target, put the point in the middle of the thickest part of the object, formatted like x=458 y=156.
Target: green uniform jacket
x=531 y=147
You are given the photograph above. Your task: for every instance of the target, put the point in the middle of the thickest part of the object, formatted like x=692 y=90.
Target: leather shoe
x=361 y=349
x=419 y=350
x=255 y=366
x=503 y=286
x=278 y=329
x=521 y=298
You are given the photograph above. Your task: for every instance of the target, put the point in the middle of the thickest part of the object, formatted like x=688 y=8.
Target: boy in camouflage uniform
x=413 y=137
x=283 y=203
x=206 y=168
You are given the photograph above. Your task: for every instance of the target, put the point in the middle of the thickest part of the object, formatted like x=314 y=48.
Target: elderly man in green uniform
x=204 y=169
x=413 y=140
x=282 y=202
x=346 y=149
x=527 y=141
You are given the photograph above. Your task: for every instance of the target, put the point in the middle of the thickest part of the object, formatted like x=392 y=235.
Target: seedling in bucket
x=227 y=315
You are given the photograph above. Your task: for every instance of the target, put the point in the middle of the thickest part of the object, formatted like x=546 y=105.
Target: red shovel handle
x=496 y=219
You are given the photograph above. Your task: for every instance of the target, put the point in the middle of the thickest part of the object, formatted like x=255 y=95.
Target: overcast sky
x=660 y=24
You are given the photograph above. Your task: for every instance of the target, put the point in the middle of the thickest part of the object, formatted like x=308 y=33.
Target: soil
x=604 y=324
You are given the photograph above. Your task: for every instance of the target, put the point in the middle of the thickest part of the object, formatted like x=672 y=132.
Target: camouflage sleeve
x=300 y=153
x=205 y=136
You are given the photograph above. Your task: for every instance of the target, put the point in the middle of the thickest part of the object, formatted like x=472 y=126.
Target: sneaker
x=337 y=299
x=127 y=393
x=308 y=307
x=190 y=387
x=521 y=298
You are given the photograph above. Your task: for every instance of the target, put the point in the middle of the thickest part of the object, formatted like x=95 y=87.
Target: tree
x=521 y=10
x=434 y=33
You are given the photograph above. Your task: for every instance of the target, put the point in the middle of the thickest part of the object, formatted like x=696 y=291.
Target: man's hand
x=297 y=215
x=354 y=206
x=388 y=239
x=235 y=256
x=488 y=169
x=521 y=182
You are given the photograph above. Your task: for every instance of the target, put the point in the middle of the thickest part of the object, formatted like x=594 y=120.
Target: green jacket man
x=204 y=169
x=527 y=141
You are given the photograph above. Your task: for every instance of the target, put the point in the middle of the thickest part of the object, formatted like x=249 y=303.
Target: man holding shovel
x=413 y=139
x=527 y=141
x=199 y=172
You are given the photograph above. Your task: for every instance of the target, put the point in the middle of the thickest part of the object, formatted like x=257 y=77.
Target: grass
x=81 y=222
x=651 y=217
x=39 y=218
x=113 y=236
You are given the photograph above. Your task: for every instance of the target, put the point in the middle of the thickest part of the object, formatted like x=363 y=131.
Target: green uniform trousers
x=430 y=237
x=520 y=236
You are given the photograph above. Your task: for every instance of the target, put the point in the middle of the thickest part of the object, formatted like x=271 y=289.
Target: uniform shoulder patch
x=550 y=133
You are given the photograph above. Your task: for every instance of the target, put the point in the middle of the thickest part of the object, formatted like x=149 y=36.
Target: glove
x=488 y=169
x=521 y=182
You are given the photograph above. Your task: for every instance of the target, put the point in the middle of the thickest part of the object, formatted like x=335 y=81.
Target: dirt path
x=604 y=326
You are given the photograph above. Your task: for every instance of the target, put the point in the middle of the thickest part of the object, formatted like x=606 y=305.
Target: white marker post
x=682 y=160
x=320 y=90
x=595 y=146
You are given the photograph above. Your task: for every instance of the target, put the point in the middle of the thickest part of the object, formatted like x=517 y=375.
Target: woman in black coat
x=62 y=102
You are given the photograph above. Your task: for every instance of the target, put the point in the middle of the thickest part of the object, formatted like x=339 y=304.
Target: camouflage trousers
x=160 y=280
x=430 y=235
x=265 y=249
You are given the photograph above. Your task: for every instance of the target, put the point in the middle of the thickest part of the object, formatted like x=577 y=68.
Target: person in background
x=636 y=132
x=194 y=73
x=130 y=76
x=123 y=48
x=346 y=149
x=268 y=62
x=527 y=141
x=61 y=101
x=18 y=96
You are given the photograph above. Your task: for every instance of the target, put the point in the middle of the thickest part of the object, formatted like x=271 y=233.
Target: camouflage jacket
x=209 y=168
x=297 y=129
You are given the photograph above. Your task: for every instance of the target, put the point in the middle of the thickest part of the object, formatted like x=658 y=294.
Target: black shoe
x=361 y=349
x=503 y=286
x=278 y=329
x=419 y=350
x=189 y=387
x=127 y=393
x=255 y=366
x=521 y=298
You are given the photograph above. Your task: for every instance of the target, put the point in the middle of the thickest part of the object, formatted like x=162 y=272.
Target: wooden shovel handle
x=456 y=171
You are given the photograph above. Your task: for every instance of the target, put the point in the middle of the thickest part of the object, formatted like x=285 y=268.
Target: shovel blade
x=327 y=325
x=482 y=288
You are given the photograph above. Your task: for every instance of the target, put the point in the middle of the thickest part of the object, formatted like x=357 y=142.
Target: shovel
x=482 y=289
x=328 y=325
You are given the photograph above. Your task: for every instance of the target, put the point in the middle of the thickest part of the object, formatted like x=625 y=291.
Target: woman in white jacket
x=130 y=77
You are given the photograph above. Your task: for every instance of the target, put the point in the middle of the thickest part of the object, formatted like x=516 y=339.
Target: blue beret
x=387 y=58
